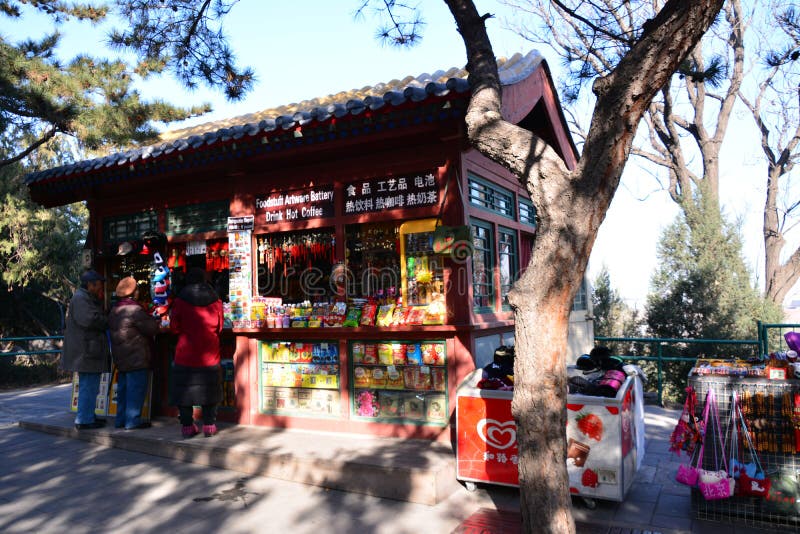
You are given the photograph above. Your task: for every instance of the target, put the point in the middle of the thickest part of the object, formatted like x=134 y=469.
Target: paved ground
x=56 y=484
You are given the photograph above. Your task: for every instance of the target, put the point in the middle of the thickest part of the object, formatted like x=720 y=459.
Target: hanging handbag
x=688 y=473
x=717 y=484
x=687 y=433
x=752 y=479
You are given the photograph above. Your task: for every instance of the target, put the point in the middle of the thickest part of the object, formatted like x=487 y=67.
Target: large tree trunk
x=570 y=207
x=779 y=277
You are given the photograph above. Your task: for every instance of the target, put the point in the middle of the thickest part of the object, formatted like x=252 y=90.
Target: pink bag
x=715 y=485
x=718 y=484
x=689 y=473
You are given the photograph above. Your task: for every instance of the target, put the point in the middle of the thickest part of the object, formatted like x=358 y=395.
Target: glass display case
x=399 y=381
x=422 y=273
x=299 y=378
x=295 y=266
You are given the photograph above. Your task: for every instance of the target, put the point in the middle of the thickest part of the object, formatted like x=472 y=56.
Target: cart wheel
x=591 y=504
x=471 y=486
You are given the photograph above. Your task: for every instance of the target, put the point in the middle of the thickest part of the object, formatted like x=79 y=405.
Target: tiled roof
x=347 y=103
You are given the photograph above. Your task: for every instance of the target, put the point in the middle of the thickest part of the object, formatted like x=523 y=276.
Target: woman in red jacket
x=196 y=317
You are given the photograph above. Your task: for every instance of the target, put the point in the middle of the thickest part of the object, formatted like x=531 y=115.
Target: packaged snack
x=378 y=379
x=385 y=314
x=394 y=378
x=303 y=352
x=353 y=317
x=416 y=314
x=267 y=352
x=438 y=379
x=413 y=354
x=368 y=313
x=436 y=310
x=367 y=404
x=314 y=322
x=361 y=377
x=391 y=404
x=333 y=321
x=413 y=407
x=370 y=353
x=385 y=354
x=358 y=352
x=432 y=354
x=399 y=353
x=399 y=316
x=435 y=408
x=423 y=379
x=339 y=308
x=410 y=377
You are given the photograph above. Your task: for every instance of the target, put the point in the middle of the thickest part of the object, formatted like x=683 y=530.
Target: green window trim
x=508 y=252
x=527 y=213
x=129 y=227
x=483 y=290
x=490 y=197
x=198 y=218
x=581 y=300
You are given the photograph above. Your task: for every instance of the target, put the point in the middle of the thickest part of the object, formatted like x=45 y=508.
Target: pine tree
x=702 y=289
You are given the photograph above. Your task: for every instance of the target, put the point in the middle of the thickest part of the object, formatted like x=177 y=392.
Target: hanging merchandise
x=716 y=484
x=177 y=260
x=688 y=432
x=689 y=473
x=752 y=480
x=160 y=285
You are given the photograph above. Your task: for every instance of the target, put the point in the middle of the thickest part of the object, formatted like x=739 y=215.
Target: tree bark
x=570 y=207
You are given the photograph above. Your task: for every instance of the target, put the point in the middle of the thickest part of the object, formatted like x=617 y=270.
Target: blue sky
x=311 y=48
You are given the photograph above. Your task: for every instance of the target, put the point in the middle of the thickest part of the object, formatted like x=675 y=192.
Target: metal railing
x=764 y=335
x=662 y=344
x=15 y=340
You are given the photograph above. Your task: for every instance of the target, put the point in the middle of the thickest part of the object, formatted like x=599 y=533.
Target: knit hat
x=126 y=287
x=92 y=276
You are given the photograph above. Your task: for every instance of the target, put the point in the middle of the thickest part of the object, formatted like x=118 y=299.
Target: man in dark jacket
x=86 y=346
x=132 y=331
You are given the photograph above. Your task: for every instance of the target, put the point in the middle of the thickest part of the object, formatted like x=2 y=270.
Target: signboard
x=240 y=256
x=487 y=441
x=239 y=224
x=391 y=193
x=106 y=403
x=196 y=248
x=296 y=205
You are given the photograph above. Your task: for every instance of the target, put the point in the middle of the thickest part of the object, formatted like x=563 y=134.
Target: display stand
x=768 y=407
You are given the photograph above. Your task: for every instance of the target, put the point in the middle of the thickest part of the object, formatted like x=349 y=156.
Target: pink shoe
x=189 y=431
x=209 y=430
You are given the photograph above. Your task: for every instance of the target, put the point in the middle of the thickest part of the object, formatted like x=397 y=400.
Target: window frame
x=493 y=191
x=513 y=263
x=136 y=224
x=490 y=254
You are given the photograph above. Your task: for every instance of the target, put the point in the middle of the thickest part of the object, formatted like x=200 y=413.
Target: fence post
x=660 y=377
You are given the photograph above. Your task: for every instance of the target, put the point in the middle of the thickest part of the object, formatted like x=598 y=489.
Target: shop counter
x=605 y=439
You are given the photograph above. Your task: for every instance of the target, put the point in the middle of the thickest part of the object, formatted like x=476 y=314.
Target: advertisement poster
x=240 y=255
x=106 y=405
x=487 y=441
x=593 y=450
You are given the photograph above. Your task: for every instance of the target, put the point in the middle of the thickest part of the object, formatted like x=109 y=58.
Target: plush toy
x=160 y=283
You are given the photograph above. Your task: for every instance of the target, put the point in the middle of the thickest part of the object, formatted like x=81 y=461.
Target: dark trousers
x=209 y=414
